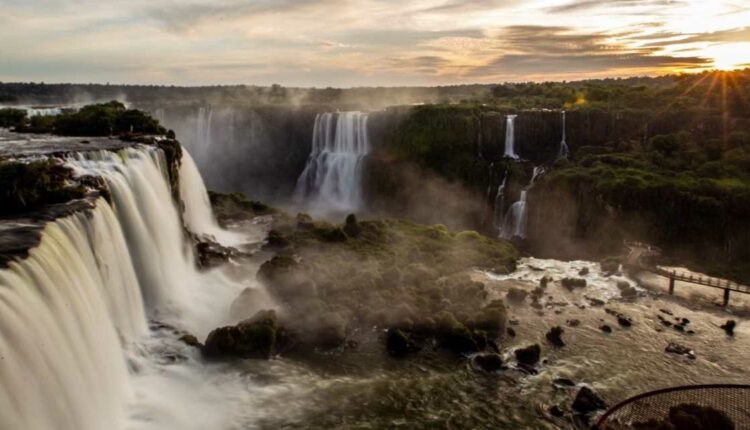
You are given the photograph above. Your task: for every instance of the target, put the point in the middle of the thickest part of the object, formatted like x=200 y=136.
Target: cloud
x=580 y=5
x=180 y=16
x=540 y=50
x=724 y=36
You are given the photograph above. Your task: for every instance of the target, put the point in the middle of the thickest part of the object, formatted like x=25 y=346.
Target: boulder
x=528 y=356
x=609 y=265
x=573 y=283
x=676 y=348
x=583 y=272
x=351 y=226
x=605 y=328
x=626 y=290
x=252 y=338
x=190 y=340
x=489 y=362
x=587 y=401
x=516 y=295
x=554 y=336
x=729 y=327
x=304 y=222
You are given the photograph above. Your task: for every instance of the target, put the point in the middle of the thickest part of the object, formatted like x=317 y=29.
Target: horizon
x=367 y=44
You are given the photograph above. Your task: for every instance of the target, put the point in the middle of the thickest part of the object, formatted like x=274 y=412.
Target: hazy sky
x=365 y=42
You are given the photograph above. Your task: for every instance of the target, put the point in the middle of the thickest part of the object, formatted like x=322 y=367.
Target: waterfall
x=497 y=217
x=516 y=220
x=331 y=180
x=564 y=151
x=74 y=311
x=43 y=111
x=198 y=215
x=510 y=137
x=203 y=132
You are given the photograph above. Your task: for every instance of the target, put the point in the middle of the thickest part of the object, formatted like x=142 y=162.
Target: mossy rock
x=251 y=338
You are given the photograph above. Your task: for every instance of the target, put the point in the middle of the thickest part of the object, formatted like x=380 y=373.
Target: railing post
x=726 y=297
x=671 y=284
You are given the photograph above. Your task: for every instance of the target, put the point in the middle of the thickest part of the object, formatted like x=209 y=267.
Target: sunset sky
x=345 y=43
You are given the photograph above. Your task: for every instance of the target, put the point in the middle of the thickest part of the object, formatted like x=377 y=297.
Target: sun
x=729 y=56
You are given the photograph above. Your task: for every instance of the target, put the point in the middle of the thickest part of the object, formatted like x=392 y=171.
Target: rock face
x=252 y=338
x=587 y=401
x=529 y=356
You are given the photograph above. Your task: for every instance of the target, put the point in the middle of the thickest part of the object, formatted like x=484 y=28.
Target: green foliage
x=10 y=117
x=105 y=119
x=29 y=186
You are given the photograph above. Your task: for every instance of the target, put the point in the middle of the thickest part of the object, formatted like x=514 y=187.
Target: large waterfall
x=331 y=180
x=74 y=312
x=516 y=220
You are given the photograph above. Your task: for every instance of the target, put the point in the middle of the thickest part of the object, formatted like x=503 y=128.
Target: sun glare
x=729 y=56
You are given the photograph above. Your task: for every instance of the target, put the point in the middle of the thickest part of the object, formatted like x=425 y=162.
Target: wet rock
x=516 y=295
x=678 y=349
x=544 y=281
x=276 y=241
x=397 y=343
x=245 y=304
x=536 y=304
x=537 y=293
x=587 y=401
x=666 y=311
x=528 y=356
x=609 y=265
x=626 y=290
x=252 y=338
x=622 y=319
x=564 y=382
x=595 y=302
x=304 y=222
x=556 y=411
x=573 y=323
x=210 y=253
x=729 y=327
x=190 y=340
x=351 y=226
x=583 y=272
x=510 y=332
x=554 y=336
x=573 y=283
x=605 y=328
x=489 y=362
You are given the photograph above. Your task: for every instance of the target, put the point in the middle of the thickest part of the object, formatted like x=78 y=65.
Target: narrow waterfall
x=510 y=137
x=203 y=132
x=516 y=220
x=331 y=180
x=497 y=219
x=43 y=111
x=564 y=151
x=198 y=215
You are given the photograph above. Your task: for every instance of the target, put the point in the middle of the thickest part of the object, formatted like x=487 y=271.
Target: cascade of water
x=499 y=204
x=203 y=132
x=510 y=137
x=516 y=220
x=61 y=309
x=564 y=151
x=32 y=112
x=332 y=177
x=198 y=214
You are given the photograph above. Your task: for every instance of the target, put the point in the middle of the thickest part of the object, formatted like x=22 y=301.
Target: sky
x=346 y=43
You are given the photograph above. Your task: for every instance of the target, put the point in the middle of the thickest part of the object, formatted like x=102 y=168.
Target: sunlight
x=729 y=56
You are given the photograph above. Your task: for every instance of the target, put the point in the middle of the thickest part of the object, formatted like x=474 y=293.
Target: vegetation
x=10 y=117
x=337 y=281
x=28 y=186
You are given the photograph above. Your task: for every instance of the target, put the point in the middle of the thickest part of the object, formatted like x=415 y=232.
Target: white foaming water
x=198 y=214
x=510 y=137
x=564 y=151
x=61 y=310
x=516 y=220
x=203 y=131
x=73 y=314
x=332 y=177
x=497 y=217
x=43 y=111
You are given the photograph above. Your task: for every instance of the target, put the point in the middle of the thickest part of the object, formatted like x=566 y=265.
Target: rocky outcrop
x=252 y=338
